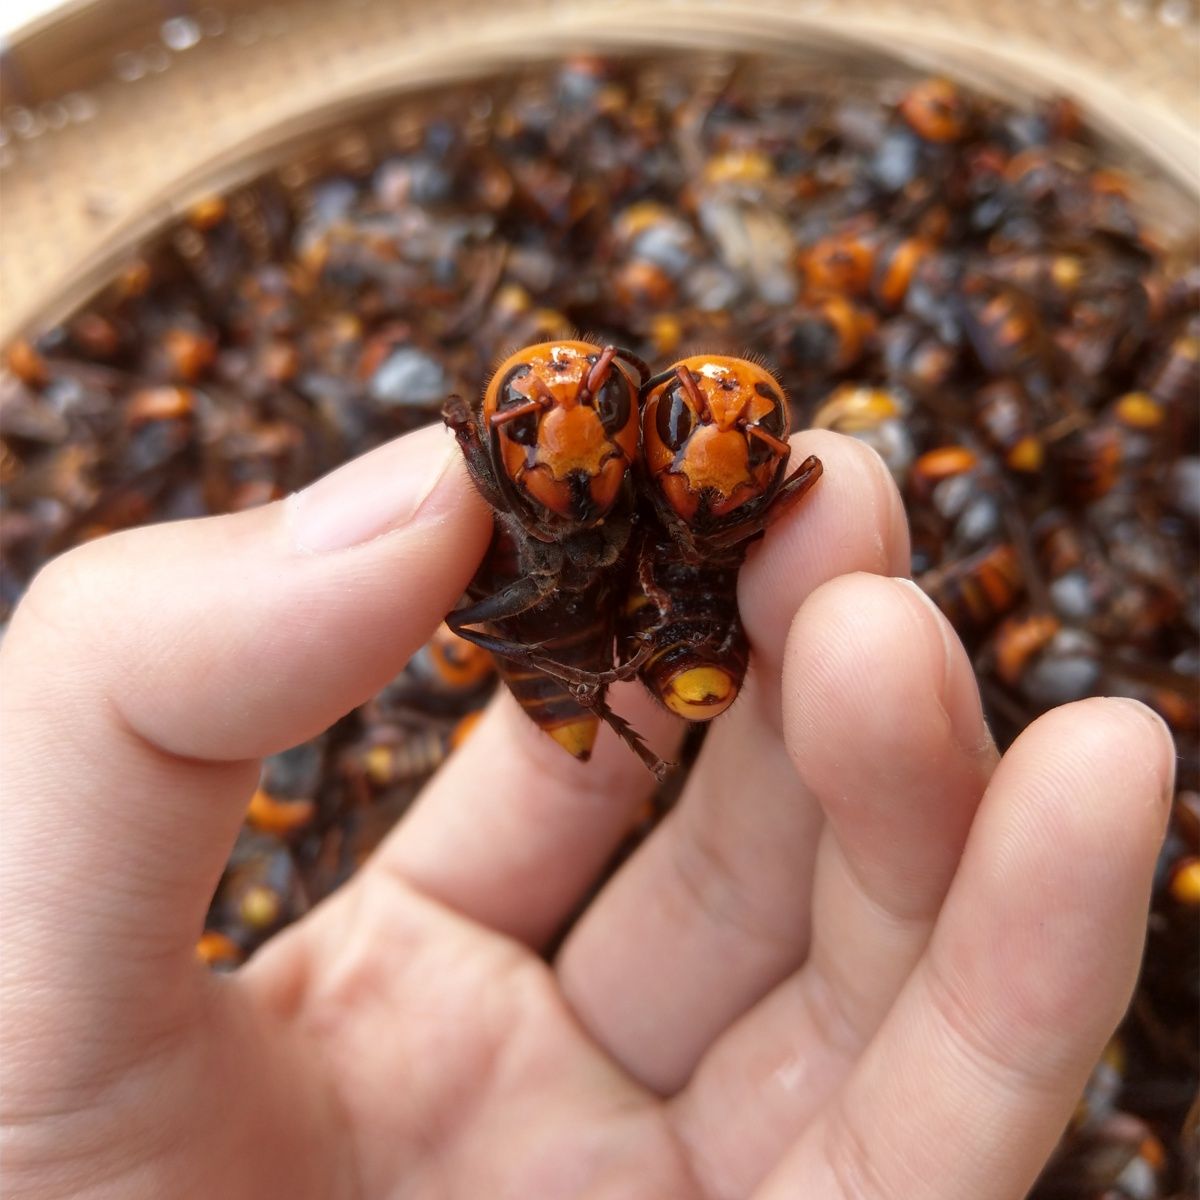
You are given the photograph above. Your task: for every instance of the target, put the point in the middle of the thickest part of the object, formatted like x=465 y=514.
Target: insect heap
x=971 y=287
x=553 y=448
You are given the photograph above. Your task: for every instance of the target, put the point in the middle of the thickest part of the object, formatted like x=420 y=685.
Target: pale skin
x=865 y=957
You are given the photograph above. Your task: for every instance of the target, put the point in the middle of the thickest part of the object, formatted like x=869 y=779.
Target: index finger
x=146 y=673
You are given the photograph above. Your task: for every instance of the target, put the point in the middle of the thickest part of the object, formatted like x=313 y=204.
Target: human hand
x=860 y=958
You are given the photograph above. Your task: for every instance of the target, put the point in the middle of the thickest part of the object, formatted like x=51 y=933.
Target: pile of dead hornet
x=967 y=286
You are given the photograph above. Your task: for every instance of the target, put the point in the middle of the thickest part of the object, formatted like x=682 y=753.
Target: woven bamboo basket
x=115 y=113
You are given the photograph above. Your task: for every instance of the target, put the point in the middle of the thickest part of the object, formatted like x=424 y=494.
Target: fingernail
x=372 y=495
x=1166 y=751
x=939 y=622
x=961 y=704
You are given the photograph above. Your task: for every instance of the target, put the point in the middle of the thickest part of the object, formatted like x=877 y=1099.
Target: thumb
x=147 y=672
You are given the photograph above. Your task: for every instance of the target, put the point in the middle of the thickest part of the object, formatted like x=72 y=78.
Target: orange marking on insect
x=1139 y=411
x=700 y=693
x=26 y=363
x=260 y=907
x=215 y=948
x=605 y=486
x=273 y=815
x=577 y=737
x=898 y=270
x=716 y=458
x=1185 y=882
x=839 y=264
x=680 y=496
x=1019 y=640
x=572 y=439
x=1027 y=455
x=738 y=166
x=553 y=493
x=727 y=408
x=942 y=463
x=458 y=662
x=158 y=404
x=935 y=110
x=850 y=324
x=850 y=409
x=464 y=729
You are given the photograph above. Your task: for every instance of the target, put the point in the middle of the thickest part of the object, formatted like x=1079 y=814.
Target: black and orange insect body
x=1005 y=416
x=1051 y=279
x=259 y=892
x=1106 y=329
x=937 y=467
x=919 y=163
x=550 y=447
x=449 y=675
x=840 y=264
x=1019 y=640
x=1003 y=328
x=957 y=501
x=1043 y=661
x=575 y=629
x=876 y=416
x=398 y=756
x=1174 y=379
x=895 y=262
x=687 y=613
x=1036 y=178
x=715 y=457
x=915 y=357
x=218 y=952
x=657 y=248
x=977 y=590
x=509 y=316
x=936 y=111
x=824 y=336
x=1078 y=578
x=1117 y=452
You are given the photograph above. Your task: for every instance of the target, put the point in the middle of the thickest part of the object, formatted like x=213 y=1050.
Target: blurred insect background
x=969 y=288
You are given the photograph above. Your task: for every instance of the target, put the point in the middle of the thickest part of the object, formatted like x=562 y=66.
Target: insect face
x=561 y=420
x=714 y=435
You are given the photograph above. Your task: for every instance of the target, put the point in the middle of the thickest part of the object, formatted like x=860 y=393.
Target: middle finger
x=883 y=721
x=713 y=910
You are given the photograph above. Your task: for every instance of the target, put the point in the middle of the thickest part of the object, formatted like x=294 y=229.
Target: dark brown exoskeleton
x=715 y=453
x=551 y=447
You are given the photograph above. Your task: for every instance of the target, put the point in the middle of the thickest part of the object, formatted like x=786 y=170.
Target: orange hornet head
x=714 y=436
x=562 y=421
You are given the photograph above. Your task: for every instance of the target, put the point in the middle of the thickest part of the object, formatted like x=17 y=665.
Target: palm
x=442 y=1059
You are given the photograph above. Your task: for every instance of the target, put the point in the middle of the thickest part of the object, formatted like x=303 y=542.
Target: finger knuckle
x=63 y=593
